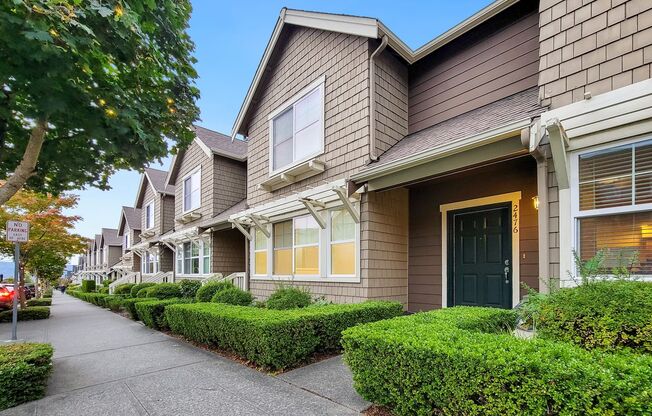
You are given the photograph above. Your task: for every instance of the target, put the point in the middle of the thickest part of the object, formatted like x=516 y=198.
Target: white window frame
x=179 y=251
x=148 y=206
x=317 y=84
x=196 y=171
x=330 y=243
x=145 y=262
x=576 y=213
x=324 y=255
x=127 y=243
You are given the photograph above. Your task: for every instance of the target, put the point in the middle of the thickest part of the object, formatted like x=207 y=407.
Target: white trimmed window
x=612 y=204
x=192 y=191
x=149 y=215
x=297 y=128
x=193 y=258
x=127 y=243
x=150 y=263
x=300 y=249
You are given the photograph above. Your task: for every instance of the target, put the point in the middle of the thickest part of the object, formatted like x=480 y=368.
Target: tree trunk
x=25 y=168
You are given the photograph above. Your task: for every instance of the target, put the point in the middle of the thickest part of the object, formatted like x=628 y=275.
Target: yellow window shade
x=343 y=258
x=261 y=262
x=306 y=260
x=283 y=261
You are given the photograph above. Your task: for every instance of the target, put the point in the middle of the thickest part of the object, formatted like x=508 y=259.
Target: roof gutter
x=372 y=98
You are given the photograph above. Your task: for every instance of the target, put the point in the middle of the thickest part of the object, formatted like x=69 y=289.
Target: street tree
x=51 y=236
x=88 y=87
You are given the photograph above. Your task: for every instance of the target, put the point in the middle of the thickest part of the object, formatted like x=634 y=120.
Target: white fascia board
x=350 y=25
x=140 y=189
x=173 y=167
x=444 y=150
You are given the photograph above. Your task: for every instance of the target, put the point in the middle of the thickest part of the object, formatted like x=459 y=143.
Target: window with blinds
x=620 y=177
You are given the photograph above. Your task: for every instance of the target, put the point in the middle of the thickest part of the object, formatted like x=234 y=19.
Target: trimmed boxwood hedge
x=613 y=314
x=151 y=311
x=24 y=372
x=233 y=296
x=88 y=286
x=130 y=305
x=30 y=313
x=464 y=360
x=164 y=291
x=114 y=302
x=269 y=338
x=208 y=290
x=123 y=289
x=136 y=288
x=40 y=302
x=288 y=297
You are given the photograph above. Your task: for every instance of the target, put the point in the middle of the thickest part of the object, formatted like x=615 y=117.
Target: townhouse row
x=460 y=173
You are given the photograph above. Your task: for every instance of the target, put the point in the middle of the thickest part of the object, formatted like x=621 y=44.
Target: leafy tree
x=51 y=240
x=91 y=86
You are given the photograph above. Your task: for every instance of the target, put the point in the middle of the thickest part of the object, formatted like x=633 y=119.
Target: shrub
x=123 y=289
x=114 y=302
x=142 y=293
x=233 y=296
x=130 y=306
x=207 y=291
x=463 y=360
x=95 y=298
x=189 y=288
x=164 y=291
x=88 y=286
x=104 y=290
x=288 y=297
x=106 y=282
x=24 y=372
x=47 y=293
x=40 y=302
x=30 y=313
x=601 y=314
x=151 y=312
x=273 y=339
x=137 y=287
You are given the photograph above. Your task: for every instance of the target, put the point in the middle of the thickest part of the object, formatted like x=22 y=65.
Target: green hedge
x=464 y=361
x=208 y=290
x=151 y=312
x=114 y=302
x=88 y=286
x=30 y=313
x=40 y=302
x=233 y=296
x=273 y=339
x=104 y=290
x=288 y=297
x=130 y=305
x=189 y=288
x=24 y=372
x=135 y=288
x=603 y=314
x=123 y=289
x=164 y=291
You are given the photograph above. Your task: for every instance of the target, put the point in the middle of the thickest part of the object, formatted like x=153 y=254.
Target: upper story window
x=127 y=242
x=297 y=128
x=613 y=206
x=192 y=191
x=149 y=215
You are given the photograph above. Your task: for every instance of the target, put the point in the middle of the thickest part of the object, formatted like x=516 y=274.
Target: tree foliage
x=90 y=86
x=51 y=237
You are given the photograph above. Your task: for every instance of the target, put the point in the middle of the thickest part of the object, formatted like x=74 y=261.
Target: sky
x=230 y=38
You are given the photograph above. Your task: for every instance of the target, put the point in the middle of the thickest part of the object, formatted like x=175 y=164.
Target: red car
x=6 y=296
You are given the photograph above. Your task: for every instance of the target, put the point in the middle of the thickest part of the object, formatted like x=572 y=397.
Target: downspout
x=540 y=154
x=372 y=99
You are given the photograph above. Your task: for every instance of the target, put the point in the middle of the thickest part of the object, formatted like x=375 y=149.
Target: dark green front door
x=481 y=259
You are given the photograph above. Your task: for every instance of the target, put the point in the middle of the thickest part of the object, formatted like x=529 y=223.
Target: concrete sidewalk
x=105 y=364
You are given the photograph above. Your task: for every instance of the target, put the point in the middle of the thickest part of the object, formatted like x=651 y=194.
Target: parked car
x=6 y=296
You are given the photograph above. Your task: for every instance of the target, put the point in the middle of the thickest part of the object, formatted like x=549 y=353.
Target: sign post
x=18 y=232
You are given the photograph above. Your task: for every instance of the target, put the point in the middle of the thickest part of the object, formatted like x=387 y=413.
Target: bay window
x=297 y=128
x=613 y=206
x=192 y=191
x=193 y=257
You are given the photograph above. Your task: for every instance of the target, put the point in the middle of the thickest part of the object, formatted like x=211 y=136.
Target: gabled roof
x=97 y=242
x=212 y=143
x=130 y=217
x=157 y=178
x=109 y=237
x=359 y=26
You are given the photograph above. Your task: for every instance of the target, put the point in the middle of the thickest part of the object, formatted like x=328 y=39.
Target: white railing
x=130 y=277
x=160 y=277
x=238 y=279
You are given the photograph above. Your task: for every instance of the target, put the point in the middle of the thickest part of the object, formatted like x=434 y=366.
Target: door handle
x=506 y=270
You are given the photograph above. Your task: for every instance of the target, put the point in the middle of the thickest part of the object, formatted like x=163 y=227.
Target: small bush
x=40 y=302
x=152 y=312
x=288 y=297
x=602 y=314
x=273 y=339
x=137 y=287
x=30 y=313
x=24 y=372
x=207 y=291
x=104 y=290
x=123 y=289
x=189 y=288
x=88 y=286
x=164 y=291
x=142 y=293
x=106 y=282
x=47 y=293
x=130 y=305
x=233 y=296
x=114 y=302
x=465 y=361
